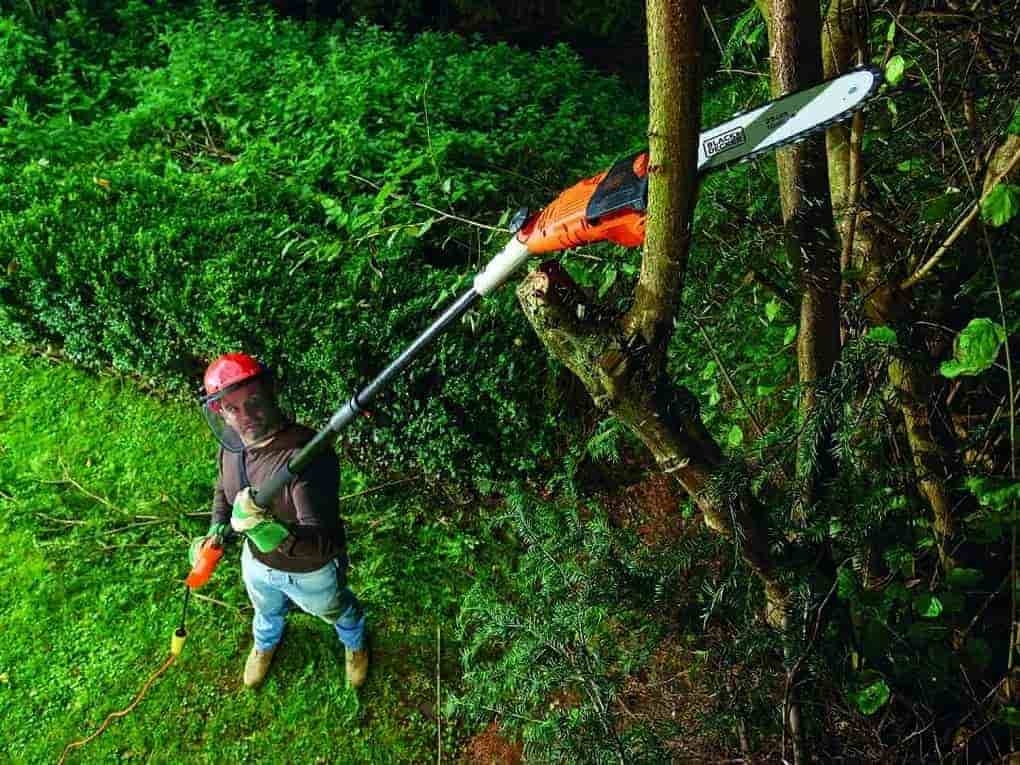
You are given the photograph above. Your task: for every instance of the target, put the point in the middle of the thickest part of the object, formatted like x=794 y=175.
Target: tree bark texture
x=596 y=348
x=796 y=62
x=674 y=110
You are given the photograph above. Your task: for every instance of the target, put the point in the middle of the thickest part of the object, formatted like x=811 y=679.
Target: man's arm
x=318 y=532
x=221 y=507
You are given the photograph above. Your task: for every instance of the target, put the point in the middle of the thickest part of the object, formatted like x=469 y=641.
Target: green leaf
x=995 y=493
x=895 y=68
x=966 y=578
x=1011 y=716
x=423 y=229
x=846 y=583
x=940 y=207
x=890 y=33
x=1001 y=205
x=709 y=371
x=976 y=348
x=1014 y=124
x=915 y=164
x=928 y=606
x=735 y=437
x=772 y=309
x=790 y=335
x=872 y=698
x=608 y=281
x=714 y=397
x=881 y=335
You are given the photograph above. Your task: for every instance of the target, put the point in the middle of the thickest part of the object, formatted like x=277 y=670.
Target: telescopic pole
x=495 y=273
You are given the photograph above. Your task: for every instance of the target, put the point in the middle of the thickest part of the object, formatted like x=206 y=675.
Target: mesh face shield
x=212 y=410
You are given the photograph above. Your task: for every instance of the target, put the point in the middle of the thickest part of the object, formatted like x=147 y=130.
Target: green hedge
x=209 y=203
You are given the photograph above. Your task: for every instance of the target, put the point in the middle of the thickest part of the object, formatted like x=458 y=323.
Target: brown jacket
x=307 y=506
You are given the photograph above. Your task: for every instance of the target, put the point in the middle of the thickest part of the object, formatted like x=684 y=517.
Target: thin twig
x=117 y=548
x=65 y=521
x=445 y=215
x=715 y=35
x=729 y=381
x=748 y=72
x=134 y=526
x=239 y=609
x=791 y=675
x=380 y=487
x=67 y=479
x=961 y=226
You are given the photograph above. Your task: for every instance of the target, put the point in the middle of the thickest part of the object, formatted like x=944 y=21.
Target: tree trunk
x=674 y=122
x=795 y=57
x=621 y=360
x=872 y=253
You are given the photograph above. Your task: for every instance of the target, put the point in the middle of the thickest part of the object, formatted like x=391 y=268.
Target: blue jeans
x=320 y=593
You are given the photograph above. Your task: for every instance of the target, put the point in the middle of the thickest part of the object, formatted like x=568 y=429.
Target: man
x=296 y=552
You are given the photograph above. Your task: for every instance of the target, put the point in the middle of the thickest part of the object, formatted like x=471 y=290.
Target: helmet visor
x=243 y=413
x=224 y=433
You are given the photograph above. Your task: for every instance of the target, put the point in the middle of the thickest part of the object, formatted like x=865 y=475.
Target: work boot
x=257 y=665
x=356 y=666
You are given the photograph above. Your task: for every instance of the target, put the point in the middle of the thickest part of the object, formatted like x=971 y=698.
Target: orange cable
x=110 y=717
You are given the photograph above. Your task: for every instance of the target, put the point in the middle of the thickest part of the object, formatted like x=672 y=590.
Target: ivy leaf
x=1001 y=205
x=976 y=348
x=872 y=698
x=735 y=437
x=772 y=309
x=894 y=69
x=928 y=606
x=881 y=335
x=790 y=335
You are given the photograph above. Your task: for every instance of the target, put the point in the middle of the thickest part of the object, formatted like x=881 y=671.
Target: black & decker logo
x=724 y=141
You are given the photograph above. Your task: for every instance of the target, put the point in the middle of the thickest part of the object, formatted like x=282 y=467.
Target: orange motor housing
x=205 y=563
x=609 y=207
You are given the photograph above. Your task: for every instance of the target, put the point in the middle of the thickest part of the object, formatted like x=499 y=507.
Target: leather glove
x=265 y=532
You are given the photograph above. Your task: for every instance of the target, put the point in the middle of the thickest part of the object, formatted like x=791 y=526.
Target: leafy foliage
x=224 y=207
x=976 y=348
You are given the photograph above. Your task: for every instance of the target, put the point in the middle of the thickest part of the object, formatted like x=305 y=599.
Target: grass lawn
x=97 y=481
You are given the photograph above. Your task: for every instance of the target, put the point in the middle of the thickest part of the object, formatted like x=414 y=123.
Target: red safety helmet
x=227 y=373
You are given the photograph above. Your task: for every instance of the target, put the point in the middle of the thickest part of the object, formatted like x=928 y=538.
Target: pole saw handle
x=206 y=560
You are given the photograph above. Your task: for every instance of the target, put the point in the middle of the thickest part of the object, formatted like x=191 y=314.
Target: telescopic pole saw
x=610 y=207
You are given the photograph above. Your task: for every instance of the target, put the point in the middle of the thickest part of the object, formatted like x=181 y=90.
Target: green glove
x=216 y=531
x=265 y=532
